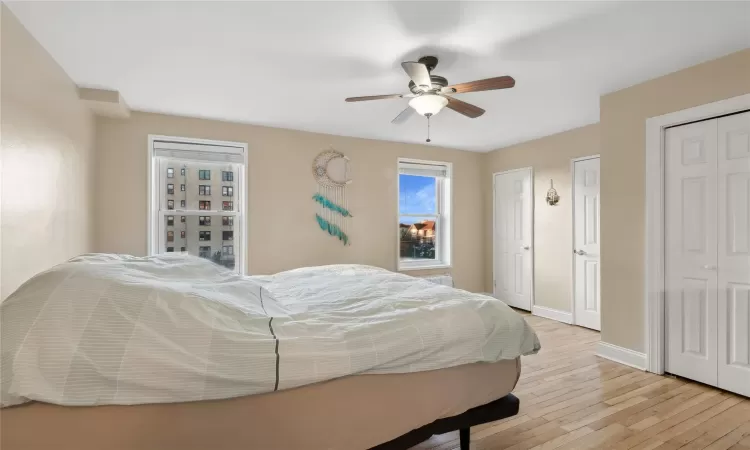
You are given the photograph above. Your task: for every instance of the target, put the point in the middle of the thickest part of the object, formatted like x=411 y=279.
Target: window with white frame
x=424 y=200
x=209 y=226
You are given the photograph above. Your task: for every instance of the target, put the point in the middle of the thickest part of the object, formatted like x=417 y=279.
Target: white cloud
x=416 y=202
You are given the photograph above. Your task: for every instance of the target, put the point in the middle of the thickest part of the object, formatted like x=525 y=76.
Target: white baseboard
x=622 y=355
x=554 y=314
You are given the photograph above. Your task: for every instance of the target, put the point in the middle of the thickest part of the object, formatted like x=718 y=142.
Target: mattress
x=349 y=413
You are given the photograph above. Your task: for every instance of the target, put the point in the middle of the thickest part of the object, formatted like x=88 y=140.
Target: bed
x=119 y=352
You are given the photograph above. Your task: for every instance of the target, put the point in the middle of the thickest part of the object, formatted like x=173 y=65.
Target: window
x=170 y=249
x=424 y=214
x=181 y=174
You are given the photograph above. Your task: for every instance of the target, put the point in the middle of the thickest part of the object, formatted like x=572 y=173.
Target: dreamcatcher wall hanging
x=331 y=171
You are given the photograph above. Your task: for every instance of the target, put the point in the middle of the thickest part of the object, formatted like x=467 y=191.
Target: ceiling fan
x=430 y=93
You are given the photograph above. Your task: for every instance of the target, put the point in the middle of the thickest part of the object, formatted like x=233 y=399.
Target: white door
x=586 y=256
x=734 y=253
x=512 y=238
x=691 y=251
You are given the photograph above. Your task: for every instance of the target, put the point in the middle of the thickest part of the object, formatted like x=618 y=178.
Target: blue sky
x=417 y=195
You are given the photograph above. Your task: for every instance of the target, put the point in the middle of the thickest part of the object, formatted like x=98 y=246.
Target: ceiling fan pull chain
x=428 y=127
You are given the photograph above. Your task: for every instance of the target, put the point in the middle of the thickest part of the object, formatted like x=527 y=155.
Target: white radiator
x=445 y=280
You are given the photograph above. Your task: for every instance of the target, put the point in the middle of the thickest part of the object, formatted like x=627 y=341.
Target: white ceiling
x=291 y=65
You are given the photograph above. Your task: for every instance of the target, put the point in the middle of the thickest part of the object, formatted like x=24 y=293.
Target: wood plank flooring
x=572 y=399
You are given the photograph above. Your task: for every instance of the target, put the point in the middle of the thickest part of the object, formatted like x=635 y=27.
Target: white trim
x=241 y=197
x=554 y=314
x=654 y=254
x=573 y=233
x=621 y=355
x=531 y=244
x=444 y=242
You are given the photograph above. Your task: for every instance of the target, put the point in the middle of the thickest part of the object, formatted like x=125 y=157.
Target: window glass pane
x=417 y=237
x=417 y=195
x=208 y=235
x=170 y=249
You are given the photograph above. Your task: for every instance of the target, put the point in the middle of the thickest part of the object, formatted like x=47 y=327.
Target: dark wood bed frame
x=489 y=412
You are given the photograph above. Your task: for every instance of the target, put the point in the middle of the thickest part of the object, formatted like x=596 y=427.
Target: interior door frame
x=573 y=232
x=531 y=236
x=654 y=292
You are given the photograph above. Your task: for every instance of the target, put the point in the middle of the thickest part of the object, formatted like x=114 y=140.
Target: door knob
x=709 y=267
x=526 y=247
x=579 y=252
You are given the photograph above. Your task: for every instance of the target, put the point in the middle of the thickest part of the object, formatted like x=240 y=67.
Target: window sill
x=406 y=267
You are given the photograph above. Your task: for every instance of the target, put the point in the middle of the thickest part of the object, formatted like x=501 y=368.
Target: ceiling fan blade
x=403 y=116
x=373 y=97
x=418 y=73
x=467 y=109
x=481 y=85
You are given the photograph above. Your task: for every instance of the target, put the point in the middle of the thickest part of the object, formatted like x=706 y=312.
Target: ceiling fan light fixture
x=428 y=104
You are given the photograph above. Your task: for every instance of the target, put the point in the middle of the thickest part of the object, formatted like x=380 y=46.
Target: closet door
x=734 y=253
x=691 y=251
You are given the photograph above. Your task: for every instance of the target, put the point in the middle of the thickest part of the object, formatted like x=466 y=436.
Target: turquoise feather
x=332 y=206
x=332 y=229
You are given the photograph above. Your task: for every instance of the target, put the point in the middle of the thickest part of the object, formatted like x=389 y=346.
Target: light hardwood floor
x=572 y=399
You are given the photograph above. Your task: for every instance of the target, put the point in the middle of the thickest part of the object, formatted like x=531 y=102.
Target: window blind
x=423 y=170
x=199 y=152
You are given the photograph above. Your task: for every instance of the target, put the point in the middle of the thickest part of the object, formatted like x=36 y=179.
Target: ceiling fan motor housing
x=438 y=82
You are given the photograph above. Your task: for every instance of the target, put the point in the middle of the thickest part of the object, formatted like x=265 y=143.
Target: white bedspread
x=113 y=329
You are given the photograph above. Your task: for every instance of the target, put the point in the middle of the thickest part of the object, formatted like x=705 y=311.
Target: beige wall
x=553 y=230
x=282 y=230
x=46 y=161
x=623 y=125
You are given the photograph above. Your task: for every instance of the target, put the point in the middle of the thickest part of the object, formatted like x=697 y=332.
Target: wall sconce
x=552 y=197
